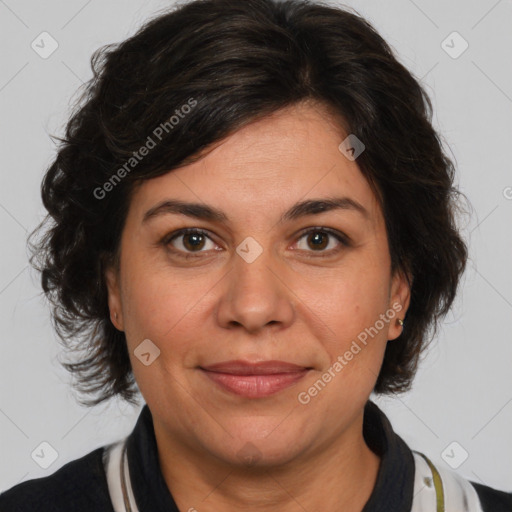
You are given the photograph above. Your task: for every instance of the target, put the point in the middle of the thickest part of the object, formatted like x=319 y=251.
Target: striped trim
x=438 y=484
x=115 y=461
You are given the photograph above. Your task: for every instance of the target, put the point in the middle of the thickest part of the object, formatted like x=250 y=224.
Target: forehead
x=276 y=161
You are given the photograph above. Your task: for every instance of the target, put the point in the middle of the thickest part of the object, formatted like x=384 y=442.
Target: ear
x=114 y=297
x=399 y=300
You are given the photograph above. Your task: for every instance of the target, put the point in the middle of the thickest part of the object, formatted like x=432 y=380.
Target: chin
x=260 y=442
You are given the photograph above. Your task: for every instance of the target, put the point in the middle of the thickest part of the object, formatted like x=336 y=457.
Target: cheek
x=352 y=306
x=157 y=309
x=163 y=306
x=350 y=298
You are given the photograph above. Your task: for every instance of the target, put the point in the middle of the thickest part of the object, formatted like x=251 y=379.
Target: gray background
x=463 y=390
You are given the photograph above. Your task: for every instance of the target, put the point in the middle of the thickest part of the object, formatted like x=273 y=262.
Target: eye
x=318 y=239
x=189 y=241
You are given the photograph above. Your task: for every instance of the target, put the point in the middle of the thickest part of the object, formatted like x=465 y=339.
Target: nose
x=255 y=296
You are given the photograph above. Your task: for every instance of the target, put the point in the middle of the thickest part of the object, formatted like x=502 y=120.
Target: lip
x=240 y=367
x=255 y=380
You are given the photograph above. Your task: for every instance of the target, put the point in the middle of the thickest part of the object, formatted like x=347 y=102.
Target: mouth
x=255 y=380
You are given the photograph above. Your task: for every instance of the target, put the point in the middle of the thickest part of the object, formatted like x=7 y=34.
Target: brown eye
x=318 y=239
x=189 y=241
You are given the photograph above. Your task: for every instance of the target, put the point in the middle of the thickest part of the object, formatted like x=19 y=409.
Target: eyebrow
x=300 y=209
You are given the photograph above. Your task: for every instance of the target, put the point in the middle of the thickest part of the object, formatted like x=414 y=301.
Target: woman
x=253 y=225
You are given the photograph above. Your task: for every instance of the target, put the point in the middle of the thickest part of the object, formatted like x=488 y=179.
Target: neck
x=336 y=476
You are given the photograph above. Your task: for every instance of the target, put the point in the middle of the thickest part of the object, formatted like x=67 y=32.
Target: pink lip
x=255 y=380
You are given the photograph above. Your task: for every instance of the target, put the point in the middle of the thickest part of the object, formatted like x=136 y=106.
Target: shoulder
x=493 y=500
x=79 y=485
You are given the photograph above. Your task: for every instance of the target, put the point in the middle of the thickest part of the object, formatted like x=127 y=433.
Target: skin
x=294 y=303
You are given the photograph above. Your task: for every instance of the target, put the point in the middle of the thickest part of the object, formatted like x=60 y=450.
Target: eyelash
x=166 y=241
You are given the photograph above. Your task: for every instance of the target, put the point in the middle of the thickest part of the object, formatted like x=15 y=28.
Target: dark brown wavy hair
x=237 y=62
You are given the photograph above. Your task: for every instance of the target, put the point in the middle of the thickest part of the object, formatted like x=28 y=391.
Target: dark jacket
x=81 y=485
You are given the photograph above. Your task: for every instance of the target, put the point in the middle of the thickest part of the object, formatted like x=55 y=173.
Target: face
x=305 y=291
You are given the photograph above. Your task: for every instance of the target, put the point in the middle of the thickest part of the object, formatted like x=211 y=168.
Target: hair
x=199 y=72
